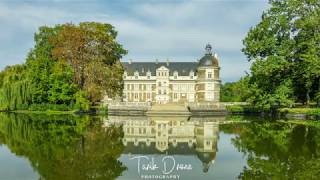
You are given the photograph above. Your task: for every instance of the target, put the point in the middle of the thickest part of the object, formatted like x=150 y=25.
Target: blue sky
x=175 y=30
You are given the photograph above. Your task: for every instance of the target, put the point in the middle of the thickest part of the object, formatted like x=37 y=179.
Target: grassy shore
x=307 y=111
x=93 y=110
x=243 y=109
x=247 y=109
x=44 y=112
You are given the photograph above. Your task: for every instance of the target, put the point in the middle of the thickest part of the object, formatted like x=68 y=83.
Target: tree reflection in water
x=277 y=150
x=64 y=146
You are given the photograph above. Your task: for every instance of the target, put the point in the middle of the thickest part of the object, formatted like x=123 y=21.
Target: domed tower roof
x=207 y=158
x=208 y=59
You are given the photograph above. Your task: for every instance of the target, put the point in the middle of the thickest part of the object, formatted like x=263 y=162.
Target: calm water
x=68 y=147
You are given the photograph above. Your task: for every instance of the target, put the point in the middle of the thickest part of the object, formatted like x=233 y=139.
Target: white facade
x=179 y=82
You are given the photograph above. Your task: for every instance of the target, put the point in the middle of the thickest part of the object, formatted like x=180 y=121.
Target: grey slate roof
x=208 y=60
x=183 y=68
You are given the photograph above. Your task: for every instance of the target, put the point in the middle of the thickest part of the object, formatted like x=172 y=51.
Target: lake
x=58 y=147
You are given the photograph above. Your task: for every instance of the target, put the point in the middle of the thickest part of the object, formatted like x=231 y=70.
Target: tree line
x=284 y=48
x=70 y=66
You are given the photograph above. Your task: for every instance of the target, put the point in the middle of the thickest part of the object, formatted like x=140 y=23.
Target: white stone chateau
x=164 y=82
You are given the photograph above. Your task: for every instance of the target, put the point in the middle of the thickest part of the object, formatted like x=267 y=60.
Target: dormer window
x=136 y=75
x=191 y=74
x=209 y=75
x=175 y=75
x=125 y=75
x=148 y=74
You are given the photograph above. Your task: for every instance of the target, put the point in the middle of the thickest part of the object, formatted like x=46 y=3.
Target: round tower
x=208 y=80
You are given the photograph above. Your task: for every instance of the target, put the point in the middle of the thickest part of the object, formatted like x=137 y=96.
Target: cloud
x=177 y=30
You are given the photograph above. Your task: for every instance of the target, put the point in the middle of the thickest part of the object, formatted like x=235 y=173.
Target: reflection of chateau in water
x=170 y=135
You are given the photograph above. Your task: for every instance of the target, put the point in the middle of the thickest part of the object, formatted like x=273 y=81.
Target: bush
x=244 y=109
x=22 y=107
x=235 y=109
x=82 y=103
x=103 y=109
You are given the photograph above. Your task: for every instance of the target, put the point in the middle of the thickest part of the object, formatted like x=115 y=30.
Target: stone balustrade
x=211 y=106
x=128 y=107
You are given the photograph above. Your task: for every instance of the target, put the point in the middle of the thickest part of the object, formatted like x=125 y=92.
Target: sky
x=177 y=30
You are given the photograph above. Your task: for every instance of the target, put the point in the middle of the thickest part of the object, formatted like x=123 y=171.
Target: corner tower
x=208 y=79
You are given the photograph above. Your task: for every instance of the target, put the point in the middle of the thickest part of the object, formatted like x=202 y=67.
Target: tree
x=69 y=64
x=40 y=63
x=284 y=51
x=235 y=91
x=15 y=89
x=62 y=89
x=92 y=51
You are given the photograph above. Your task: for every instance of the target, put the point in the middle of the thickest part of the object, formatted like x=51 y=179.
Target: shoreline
x=40 y=112
x=282 y=113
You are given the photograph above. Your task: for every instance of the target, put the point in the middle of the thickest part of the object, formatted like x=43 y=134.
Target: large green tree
x=93 y=52
x=285 y=53
x=69 y=64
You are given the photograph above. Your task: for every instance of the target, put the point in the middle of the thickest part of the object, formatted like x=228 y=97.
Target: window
x=175 y=75
x=159 y=91
x=165 y=92
x=209 y=75
x=191 y=74
x=136 y=74
x=159 y=83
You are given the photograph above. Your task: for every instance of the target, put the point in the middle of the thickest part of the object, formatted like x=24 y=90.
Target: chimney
x=157 y=61
x=167 y=62
x=130 y=61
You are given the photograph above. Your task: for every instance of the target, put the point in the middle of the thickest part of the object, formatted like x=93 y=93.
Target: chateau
x=164 y=82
